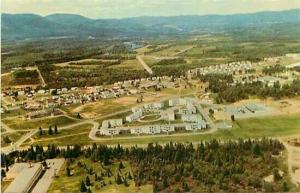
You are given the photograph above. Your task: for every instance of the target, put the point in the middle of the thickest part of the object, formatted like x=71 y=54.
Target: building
x=25 y=180
x=190 y=109
x=196 y=126
x=191 y=118
x=112 y=123
x=180 y=101
x=167 y=128
x=151 y=106
x=134 y=116
x=168 y=115
x=109 y=131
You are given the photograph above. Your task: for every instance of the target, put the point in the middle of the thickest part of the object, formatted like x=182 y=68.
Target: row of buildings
x=153 y=129
x=186 y=111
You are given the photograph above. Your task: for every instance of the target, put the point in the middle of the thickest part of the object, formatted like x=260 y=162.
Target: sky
x=134 y=8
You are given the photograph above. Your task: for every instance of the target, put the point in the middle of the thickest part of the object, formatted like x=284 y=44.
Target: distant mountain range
x=24 y=26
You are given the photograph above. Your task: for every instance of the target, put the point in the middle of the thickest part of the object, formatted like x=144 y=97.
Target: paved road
x=145 y=66
x=17 y=144
x=7 y=129
x=184 y=50
x=150 y=136
x=44 y=183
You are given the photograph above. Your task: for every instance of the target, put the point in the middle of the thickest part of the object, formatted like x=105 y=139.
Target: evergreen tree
x=89 y=190
x=50 y=131
x=119 y=179
x=165 y=182
x=232 y=118
x=256 y=150
x=3 y=174
x=88 y=181
x=285 y=187
x=40 y=131
x=276 y=175
x=68 y=171
x=55 y=129
x=96 y=177
x=121 y=166
x=82 y=187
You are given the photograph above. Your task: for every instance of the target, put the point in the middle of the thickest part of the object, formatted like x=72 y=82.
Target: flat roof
x=21 y=182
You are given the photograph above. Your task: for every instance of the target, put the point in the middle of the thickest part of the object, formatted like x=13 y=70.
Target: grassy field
x=12 y=136
x=13 y=113
x=75 y=130
x=171 y=51
x=64 y=183
x=129 y=64
x=19 y=123
x=277 y=126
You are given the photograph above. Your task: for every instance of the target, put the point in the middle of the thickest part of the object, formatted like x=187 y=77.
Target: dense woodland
x=222 y=85
x=23 y=77
x=233 y=166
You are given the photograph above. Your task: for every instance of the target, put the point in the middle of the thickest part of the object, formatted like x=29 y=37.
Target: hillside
x=24 y=26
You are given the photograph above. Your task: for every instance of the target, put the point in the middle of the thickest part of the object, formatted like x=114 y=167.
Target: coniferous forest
x=214 y=166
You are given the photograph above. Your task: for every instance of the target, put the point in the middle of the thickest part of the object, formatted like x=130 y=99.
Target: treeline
x=157 y=49
x=227 y=92
x=171 y=61
x=59 y=77
x=232 y=166
x=270 y=70
x=25 y=77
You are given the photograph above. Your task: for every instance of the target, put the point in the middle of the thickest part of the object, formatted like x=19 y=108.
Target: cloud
x=134 y=8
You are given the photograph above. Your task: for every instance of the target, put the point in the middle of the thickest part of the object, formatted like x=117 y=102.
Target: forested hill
x=24 y=26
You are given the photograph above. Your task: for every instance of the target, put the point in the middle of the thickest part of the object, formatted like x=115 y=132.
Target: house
x=21 y=93
x=41 y=91
x=107 y=94
x=112 y=123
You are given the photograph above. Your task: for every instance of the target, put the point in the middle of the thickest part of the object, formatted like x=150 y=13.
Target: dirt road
x=143 y=63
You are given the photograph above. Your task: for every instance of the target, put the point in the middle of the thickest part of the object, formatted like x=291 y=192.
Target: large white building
x=151 y=106
x=112 y=123
x=168 y=115
x=191 y=118
x=134 y=116
x=180 y=101
x=196 y=126
x=109 y=131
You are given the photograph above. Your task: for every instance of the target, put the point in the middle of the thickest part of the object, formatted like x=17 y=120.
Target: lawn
x=12 y=136
x=129 y=64
x=19 y=123
x=246 y=128
x=171 y=51
x=64 y=183
x=13 y=113
x=75 y=130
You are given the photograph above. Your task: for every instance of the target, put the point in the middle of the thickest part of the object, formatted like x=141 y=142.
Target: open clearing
x=272 y=126
x=172 y=50
x=15 y=136
x=21 y=124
